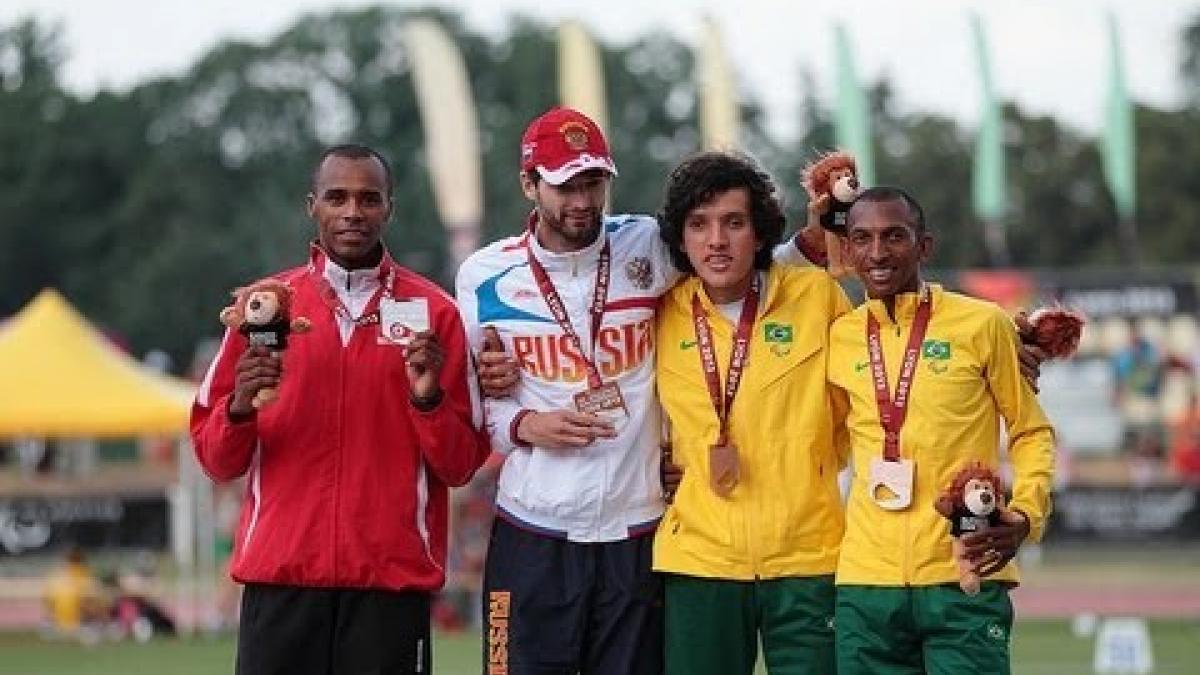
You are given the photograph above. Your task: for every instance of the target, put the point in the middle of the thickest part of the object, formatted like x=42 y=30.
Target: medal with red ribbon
x=891 y=477
x=722 y=456
x=600 y=398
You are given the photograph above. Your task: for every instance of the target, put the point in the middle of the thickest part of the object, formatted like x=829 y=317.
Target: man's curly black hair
x=700 y=178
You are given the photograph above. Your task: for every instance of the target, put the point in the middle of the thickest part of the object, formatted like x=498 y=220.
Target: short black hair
x=889 y=193
x=700 y=178
x=352 y=151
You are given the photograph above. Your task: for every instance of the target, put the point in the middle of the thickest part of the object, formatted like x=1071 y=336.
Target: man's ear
x=528 y=186
x=927 y=246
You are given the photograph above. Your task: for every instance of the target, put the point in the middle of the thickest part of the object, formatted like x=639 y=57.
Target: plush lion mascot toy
x=831 y=182
x=262 y=312
x=1057 y=331
x=974 y=502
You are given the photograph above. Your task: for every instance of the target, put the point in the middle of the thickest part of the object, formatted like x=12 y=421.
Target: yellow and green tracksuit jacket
x=968 y=377
x=784 y=518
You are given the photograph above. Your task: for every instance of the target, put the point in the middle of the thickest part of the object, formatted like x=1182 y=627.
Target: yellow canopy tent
x=60 y=378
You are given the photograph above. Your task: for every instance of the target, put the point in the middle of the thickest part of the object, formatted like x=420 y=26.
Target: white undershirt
x=733 y=310
x=355 y=289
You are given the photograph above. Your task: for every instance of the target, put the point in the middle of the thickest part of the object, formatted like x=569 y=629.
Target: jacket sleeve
x=223 y=449
x=793 y=251
x=839 y=402
x=1031 y=437
x=450 y=437
x=499 y=414
x=839 y=407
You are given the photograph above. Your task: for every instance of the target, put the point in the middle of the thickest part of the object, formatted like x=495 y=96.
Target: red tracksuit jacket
x=346 y=480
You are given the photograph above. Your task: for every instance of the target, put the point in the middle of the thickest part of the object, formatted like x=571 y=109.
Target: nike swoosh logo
x=684 y=344
x=861 y=366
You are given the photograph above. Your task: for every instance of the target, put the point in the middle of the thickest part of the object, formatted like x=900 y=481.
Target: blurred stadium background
x=127 y=215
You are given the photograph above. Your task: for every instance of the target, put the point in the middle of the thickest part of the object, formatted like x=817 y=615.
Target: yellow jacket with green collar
x=784 y=518
x=967 y=379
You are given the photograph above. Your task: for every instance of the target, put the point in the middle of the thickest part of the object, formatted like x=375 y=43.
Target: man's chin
x=355 y=256
x=877 y=292
x=582 y=234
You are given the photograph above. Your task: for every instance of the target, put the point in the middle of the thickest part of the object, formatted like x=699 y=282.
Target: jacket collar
x=349 y=280
x=906 y=305
x=769 y=292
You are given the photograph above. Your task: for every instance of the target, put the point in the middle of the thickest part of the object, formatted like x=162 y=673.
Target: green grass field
x=1039 y=648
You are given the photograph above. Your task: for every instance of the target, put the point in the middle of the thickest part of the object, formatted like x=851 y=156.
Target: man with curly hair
x=750 y=543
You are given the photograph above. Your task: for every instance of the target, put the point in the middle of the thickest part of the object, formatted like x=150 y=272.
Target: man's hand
x=423 y=360
x=991 y=549
x=257 y=368
x=1030 y=354
x=563 y=429
x=817 y=206
x=672 y=473
x=498 y=372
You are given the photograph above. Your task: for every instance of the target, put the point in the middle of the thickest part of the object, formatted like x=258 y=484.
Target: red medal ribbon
x=892 y=412
x=722 y=404
x=559 y=311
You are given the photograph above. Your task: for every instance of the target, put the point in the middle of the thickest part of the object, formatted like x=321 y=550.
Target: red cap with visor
x=563 y=142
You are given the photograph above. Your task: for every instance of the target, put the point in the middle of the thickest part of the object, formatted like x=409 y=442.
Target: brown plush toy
x=1057 y=331
x=974 y=502
x=261 y=312
x=831 y=182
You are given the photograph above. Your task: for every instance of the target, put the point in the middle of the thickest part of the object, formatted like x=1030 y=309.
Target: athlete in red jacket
x=342 y=534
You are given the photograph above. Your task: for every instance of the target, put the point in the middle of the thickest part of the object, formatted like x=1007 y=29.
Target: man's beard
x=574 y=234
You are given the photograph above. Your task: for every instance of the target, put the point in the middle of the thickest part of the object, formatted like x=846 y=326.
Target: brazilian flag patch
x=777 y=332
x=936 y=349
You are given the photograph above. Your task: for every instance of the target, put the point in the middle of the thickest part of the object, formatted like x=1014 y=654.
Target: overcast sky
x=1049 y=55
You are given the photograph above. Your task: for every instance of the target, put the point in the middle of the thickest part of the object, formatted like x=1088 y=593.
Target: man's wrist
x=514 y=429
x=809 y=250
x=239 y=414
x=427 y=402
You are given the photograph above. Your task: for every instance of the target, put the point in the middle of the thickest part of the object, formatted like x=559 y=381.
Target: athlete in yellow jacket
x=750 y=543
x=899 y=608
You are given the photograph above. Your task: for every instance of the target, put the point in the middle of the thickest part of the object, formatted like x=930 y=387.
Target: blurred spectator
x=134 y=611
x=34 y=456
x=1185 y=444
x=76 y=605
x=228 y=502
x=1146 y=455
x=459 y=605
x=1139 y=368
